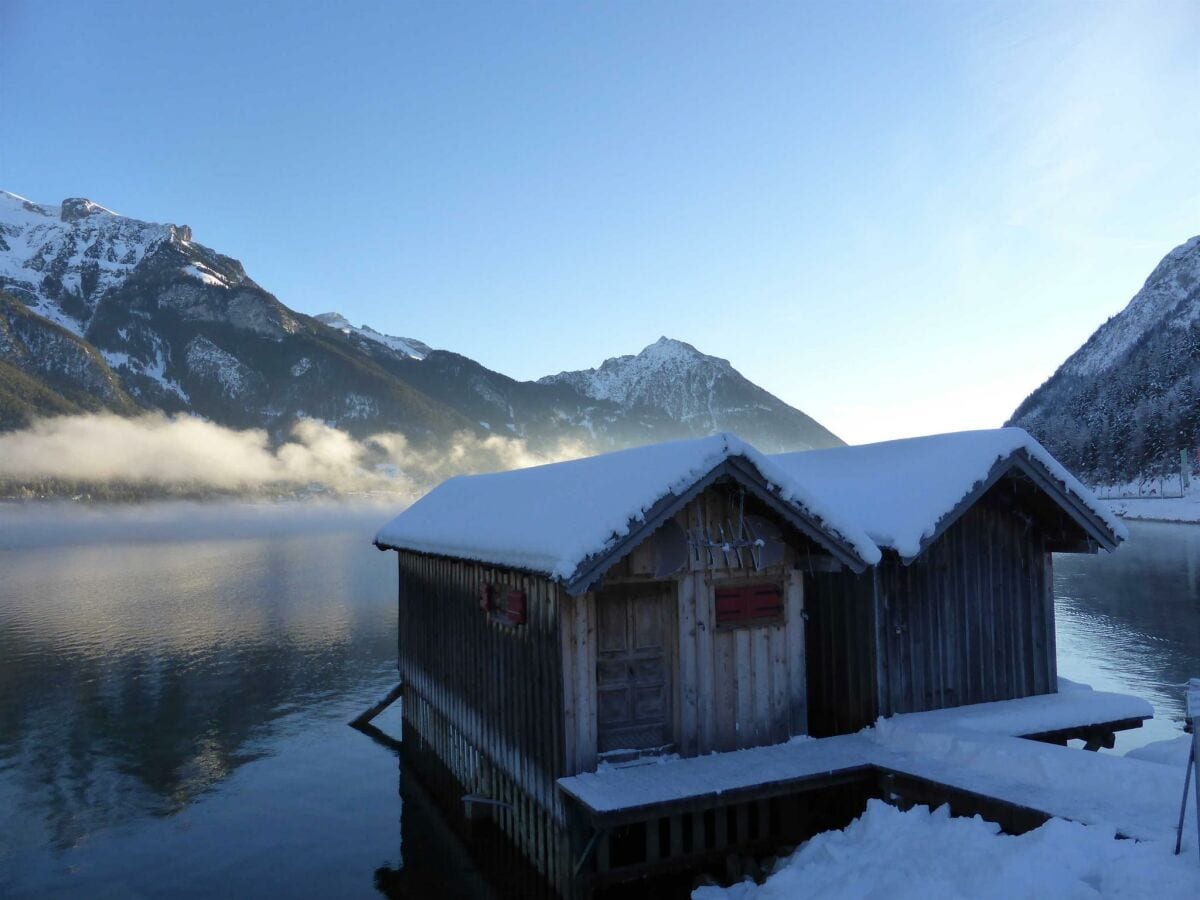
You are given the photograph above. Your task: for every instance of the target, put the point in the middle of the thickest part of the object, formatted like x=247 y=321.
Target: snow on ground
x=1162 y=509
x=922 y=854
x=1171 y=752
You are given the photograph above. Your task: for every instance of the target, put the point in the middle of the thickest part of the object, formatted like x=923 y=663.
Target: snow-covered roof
x=904 y=492
x=552 y=519
x=897 y=495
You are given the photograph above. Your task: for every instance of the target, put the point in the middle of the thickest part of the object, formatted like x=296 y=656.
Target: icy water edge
x=175 y=682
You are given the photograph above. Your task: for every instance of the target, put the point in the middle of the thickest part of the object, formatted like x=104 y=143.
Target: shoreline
x=1175 y=510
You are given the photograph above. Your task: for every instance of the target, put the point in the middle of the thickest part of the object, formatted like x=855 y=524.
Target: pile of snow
x=921 y=854
x=1171 y=752
x=899 y=491
x=549 y=519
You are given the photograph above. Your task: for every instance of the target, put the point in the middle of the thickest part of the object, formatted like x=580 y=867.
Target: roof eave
x=1020 y=459
x=741 y=470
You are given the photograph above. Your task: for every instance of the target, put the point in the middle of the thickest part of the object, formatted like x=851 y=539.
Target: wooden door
x=633 y=679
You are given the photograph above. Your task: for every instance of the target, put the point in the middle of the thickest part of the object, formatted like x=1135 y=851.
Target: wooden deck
x=975 y=757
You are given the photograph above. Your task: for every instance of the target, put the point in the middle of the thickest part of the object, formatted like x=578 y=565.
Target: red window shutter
x=514 y=607
x=749 y=604
x=730 y=605
x=764 y=602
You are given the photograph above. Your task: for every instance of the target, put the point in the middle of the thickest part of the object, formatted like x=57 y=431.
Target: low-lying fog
x=182 y=450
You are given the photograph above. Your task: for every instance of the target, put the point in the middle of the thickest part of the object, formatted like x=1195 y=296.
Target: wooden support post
x=1193 y=712
x=676 y=843
x=365 y=717
x=742 y=830
x=603 y=855
x=764 y=819
x=652 y=850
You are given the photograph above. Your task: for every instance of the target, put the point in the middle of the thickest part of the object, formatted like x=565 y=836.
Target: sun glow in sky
x=899 y=218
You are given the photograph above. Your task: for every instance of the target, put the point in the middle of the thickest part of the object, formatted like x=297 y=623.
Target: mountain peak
x=75 y=208
x=334 y=320
x=402 y=345
x=689 y=391
x=665 y=343
x=1122 y=403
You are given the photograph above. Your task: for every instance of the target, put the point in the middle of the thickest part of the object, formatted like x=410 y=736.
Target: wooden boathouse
x=696 y=598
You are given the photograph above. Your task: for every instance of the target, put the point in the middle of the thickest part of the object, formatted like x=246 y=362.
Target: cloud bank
x=182 y=450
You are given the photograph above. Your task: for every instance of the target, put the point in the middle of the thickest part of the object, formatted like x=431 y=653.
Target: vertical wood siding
x=841 y=641
x=733 y=687
x=487 y=698
x=972 y=619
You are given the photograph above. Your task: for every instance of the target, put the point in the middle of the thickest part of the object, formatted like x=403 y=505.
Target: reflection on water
x=173 y=703
x=175 y=683
x=1130 y=621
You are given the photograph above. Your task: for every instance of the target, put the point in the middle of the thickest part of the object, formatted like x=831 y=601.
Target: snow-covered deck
x=977 y=749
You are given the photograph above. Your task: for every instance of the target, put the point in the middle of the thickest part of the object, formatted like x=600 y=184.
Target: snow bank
x=1073 y=706
x=1159 y=509
x=551 y=518
x=920 y=854
x=1136 y=798
x=900 y=490
x=1171 y=752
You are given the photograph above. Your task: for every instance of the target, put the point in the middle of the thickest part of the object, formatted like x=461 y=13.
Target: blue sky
x=898 y=217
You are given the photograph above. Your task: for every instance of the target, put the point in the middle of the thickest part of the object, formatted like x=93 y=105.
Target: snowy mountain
x=404 y=346
x=671 y=389
x=98 y=310
x=1128 y=400
x=183 y=328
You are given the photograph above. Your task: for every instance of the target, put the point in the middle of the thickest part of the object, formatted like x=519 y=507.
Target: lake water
x=175 y=682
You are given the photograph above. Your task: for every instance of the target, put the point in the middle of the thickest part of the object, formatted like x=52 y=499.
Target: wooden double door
x=634 y=660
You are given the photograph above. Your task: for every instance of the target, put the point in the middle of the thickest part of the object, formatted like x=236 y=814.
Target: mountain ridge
x=1128 y=399
x=182 y=328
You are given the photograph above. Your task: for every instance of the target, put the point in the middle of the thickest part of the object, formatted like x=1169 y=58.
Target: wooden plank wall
x=842 y=663
x=972 y=619
x=488 y=697
x=741 y=687
x=738 y=687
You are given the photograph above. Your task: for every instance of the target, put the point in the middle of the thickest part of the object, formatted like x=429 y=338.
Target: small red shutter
x=749 y=604
x=514 y=607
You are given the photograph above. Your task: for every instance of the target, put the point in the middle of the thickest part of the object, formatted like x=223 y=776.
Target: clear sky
x=899 y=217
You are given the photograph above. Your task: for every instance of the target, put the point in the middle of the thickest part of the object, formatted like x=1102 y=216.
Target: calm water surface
x=175 y=682
x=174 y=686
x=1130 y=621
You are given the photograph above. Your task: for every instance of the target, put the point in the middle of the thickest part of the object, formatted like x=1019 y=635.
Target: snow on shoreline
x=1153 y=499
x=1153 y=509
